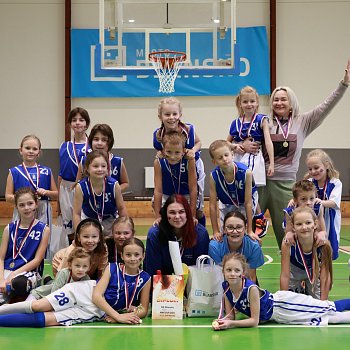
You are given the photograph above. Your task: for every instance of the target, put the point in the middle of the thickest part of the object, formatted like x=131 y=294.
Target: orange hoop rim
x=181 y=55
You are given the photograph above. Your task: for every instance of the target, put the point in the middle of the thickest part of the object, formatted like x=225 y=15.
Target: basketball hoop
x=167 y=64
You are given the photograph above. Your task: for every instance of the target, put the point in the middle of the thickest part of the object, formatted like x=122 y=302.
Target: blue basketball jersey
x=40 y=180
x=115 y=292
x=116 y=167
x=297 y=255
x=68 y=162
x=240 y=132
x=174 y=177
x=190 y=139
x=92 y=209
x=242 y=304
x=231 y=193
x=29 y=248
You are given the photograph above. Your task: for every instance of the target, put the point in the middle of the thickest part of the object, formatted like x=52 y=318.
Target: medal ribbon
x=310 y=275
x=183 y=130
x=128 y=301
x=75 y=149
x=325 y=189
x=16 y=251
x=99 y=215
x=284 y=133
x=222 y=308
x=224 y=186
x=36 y=186
x=173 y=176
x=240 y=132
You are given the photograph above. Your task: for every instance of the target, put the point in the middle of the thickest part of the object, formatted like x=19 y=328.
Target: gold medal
x=215 y=324
x=128 y=301
x=284 y=130
x=16 y=250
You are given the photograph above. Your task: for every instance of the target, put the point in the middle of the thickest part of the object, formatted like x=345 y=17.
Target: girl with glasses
x=235 y=240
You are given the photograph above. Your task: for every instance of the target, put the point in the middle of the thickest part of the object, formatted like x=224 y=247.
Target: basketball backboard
x=205 y=30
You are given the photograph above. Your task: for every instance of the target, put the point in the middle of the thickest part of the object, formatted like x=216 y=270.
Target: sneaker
x=261 y=226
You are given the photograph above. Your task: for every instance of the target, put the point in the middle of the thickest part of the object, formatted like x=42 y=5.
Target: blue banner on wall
x=253 y=66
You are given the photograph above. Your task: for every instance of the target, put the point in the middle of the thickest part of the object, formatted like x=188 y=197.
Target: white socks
x=23 y=307
x=339 y=317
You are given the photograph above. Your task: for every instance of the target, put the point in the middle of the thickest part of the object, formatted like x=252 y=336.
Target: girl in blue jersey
x=259 y=305
x=170 y=113
x=233 y=185
x=101 y=137
x=23 y=243
x=71 y=153
x=174 y=173
x=304 y=267
x=120 y=296
x=124 y=289
x=36 y=176
x=304 y=195
x=329 y=189
x=98 y=196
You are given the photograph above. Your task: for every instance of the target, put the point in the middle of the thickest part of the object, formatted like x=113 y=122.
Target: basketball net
x=167 y=65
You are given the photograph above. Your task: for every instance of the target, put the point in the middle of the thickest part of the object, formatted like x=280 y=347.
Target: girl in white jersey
x=329 y=188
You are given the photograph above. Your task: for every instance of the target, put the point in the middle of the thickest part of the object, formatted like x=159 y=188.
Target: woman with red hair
x=176 y=224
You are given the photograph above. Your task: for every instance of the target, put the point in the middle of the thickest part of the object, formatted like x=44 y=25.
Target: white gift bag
x=204 y=288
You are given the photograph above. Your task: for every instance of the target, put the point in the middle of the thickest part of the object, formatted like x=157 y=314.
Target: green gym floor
x=196 y=333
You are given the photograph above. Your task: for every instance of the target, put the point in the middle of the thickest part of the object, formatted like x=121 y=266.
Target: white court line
x=334 y=263
x=269 y=259
x=344 y=251
x=270 y=247
x=196 y=326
